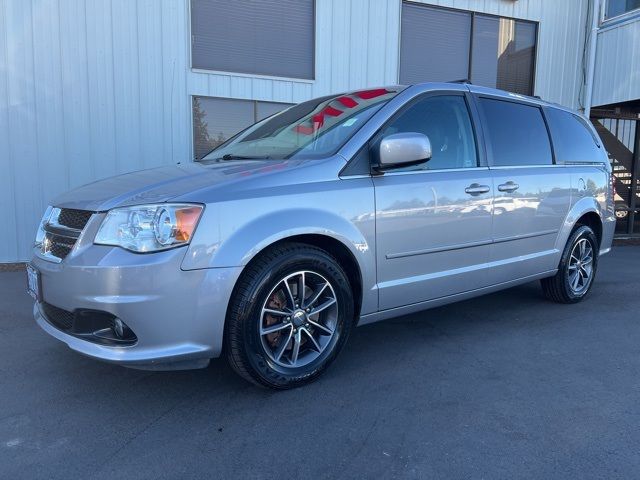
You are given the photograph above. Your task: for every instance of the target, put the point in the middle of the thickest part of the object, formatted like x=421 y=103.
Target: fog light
x=118 y=327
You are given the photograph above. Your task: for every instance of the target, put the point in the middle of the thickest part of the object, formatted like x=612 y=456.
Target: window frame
x=314 y=66
x=621 y=17
x=481 y=160
x=473 y=16
x=485 y=137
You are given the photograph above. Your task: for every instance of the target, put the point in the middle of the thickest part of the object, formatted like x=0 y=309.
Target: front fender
x=233 y=233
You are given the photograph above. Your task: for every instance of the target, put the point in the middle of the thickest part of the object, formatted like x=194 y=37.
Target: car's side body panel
x=527 y=222
x=433 y=238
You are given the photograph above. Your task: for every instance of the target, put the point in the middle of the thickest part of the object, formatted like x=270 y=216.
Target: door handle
x=508 y=187
x=477 y=189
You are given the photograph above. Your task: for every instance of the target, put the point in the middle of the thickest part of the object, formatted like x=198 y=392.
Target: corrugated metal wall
x=617 y=70
x=92 y=88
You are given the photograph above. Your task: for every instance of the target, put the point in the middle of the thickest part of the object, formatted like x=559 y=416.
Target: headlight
x=41 y=233
x=149 y=228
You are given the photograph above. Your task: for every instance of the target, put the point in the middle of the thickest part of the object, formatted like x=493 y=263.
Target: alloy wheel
x=580 y=266
x=298 y=319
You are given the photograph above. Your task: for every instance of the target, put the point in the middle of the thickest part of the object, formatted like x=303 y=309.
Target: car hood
x=165 y=183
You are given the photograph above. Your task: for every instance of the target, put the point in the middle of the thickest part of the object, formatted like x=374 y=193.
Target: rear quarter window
x=572 y=139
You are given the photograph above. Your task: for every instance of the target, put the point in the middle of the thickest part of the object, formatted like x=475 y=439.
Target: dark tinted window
x=440 y=44
x=572 y=141
x=445 y=120
x=618 y=7
x=516 y=133
x=503 y=53
x=215 y=120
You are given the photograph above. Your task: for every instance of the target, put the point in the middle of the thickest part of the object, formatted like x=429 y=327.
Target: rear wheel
x=577 y=268
x=289 y=317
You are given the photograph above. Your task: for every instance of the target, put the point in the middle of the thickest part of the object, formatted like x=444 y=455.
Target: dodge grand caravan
x=336 y=212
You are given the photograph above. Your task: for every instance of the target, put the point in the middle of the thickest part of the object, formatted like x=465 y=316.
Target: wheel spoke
x=326 y=330
x=572 y=267
x=289 y=293
x=316 y=345
x=301 y=289
x=574 y=280
x=274 y=328
x=323 y=306
x=277 y=313
x=283 y=346
x=296 y=348
x=316 y=295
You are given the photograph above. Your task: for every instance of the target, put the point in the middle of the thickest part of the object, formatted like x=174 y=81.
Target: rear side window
x=572 y=139
x=516 y=133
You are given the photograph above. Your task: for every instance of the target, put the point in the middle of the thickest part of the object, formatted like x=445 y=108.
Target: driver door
x=433 y=220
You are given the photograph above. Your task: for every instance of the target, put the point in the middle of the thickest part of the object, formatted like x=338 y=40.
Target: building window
x=439 y=44
x=265 y=37
x=215 y=120
x=620 y=7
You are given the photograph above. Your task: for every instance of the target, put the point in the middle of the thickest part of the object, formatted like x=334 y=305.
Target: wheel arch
x=336 y=249
x=351 y=242
x=592 y=220
x=586 y=211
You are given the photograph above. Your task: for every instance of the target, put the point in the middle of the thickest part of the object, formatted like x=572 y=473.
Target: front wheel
x=290 y=315
x=577 y=268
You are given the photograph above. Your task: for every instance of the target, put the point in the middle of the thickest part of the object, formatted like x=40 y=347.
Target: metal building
x=93 y=88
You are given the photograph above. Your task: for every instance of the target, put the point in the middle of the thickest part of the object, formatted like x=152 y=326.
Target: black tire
x=245 y=346
x=558 y=288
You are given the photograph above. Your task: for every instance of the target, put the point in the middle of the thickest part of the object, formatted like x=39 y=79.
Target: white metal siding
x=92 y=88
x=617 y=70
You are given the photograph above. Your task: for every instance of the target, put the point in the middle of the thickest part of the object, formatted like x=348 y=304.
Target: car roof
x=494 y=92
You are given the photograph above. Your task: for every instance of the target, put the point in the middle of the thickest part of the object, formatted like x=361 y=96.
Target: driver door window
x=445 y=120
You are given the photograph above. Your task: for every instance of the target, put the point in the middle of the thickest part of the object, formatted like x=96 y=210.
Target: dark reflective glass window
x=572 y=141
x=445 y=120
x=618 y=7
x=441 y=44
x=516 y=133
x=216 y=120
x=503 y=53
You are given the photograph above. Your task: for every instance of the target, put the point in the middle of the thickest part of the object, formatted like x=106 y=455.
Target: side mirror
x=403 y=149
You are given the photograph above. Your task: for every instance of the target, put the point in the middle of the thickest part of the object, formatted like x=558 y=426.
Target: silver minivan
x=336 y=212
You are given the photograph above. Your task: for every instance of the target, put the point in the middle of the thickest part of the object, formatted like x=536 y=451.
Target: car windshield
x=313 y=129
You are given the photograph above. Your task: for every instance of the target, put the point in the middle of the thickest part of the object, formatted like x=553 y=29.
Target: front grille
x=72 y=218
x=59 y=246
x=63 y=230
x=60 y=318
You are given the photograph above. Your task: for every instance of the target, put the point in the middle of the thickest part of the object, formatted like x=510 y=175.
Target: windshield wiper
x=230 y=156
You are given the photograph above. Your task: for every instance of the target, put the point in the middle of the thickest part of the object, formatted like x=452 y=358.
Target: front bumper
x=177 y=315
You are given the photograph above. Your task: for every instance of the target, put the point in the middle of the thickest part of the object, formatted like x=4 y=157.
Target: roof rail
x=464 y=80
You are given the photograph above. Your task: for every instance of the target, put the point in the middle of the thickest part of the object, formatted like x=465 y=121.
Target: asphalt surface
x=503 y=386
